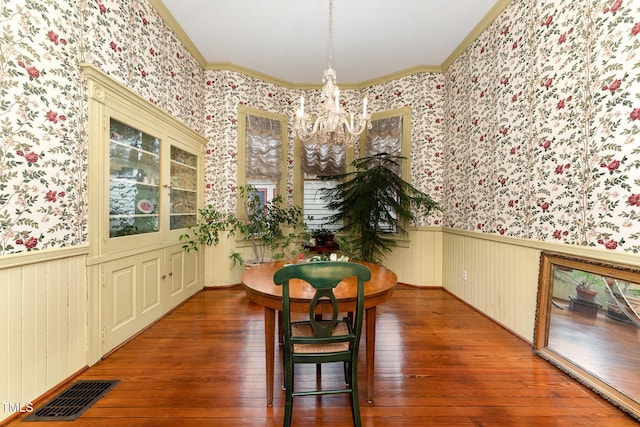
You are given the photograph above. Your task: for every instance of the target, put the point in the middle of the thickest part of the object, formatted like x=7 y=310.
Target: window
x=390 y=133
x=316 y=161
x=315 y=210
x=262 y=151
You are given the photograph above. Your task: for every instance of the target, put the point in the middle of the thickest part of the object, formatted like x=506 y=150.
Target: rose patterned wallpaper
x=224 y=90
x=43 y=114
x=542 y=125
x=530 y=133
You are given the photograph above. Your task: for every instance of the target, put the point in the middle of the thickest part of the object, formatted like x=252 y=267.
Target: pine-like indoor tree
x=372 y=204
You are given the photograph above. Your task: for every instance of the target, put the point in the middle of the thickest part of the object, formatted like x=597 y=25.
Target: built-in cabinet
x=145 y=187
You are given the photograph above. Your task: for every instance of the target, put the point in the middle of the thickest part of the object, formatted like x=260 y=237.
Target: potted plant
x=583 y=282
x=323 y=237
x=270 y=227
x=372 y=204
x=584 y=292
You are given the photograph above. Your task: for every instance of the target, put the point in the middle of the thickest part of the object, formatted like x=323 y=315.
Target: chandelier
x=333 y=124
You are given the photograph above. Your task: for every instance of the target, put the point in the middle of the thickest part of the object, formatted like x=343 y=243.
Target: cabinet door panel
x=134 y=169
x=176 y=283
x=185 y=279
x=131 y=297
x=184 y=176
x=150 y=283
x=190 y=272
x=122 y=292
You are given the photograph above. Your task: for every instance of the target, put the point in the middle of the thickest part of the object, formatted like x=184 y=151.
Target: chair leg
x=280 y=336
x=288 y=384
x=284 y=369
x=318 y=365
x=355 y=399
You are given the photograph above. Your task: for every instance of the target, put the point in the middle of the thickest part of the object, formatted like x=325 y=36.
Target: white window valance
x=323 y=159
x=263 y=149
x=385 y=136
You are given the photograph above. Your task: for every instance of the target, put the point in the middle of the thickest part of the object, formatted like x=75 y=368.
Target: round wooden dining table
x=260 y=288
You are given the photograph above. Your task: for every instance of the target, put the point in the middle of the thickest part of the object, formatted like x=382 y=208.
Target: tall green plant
x=372 y=203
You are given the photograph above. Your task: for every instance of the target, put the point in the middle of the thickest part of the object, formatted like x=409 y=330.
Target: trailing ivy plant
x=372 y=204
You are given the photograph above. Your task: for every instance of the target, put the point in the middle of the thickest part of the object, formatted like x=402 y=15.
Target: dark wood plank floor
x=438 y=363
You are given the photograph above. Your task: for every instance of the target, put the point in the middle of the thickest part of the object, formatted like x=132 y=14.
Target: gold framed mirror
x=593 y=337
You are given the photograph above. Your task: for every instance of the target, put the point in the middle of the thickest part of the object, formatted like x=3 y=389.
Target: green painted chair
x=317 y=341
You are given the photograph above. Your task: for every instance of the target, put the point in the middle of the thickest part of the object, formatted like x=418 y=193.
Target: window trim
x=243 y=112
x=298 y=175
x=405 y=112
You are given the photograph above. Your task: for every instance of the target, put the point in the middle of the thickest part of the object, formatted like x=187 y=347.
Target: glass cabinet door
x=184 y=189
x=134 y=177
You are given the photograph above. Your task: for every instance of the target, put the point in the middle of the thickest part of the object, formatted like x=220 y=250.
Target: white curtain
x=323 y=159
x=263 y=149
x=385 y=136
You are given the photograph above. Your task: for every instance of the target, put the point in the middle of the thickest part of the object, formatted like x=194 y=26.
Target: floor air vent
x=72 y=402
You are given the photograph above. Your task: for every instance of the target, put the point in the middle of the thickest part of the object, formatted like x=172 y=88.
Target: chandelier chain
x=330 y=33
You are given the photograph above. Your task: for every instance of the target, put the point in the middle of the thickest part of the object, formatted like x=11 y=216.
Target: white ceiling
x=289 y=39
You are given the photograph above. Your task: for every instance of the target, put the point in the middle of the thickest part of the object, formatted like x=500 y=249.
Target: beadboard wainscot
x=43 y=323
x=498 y=275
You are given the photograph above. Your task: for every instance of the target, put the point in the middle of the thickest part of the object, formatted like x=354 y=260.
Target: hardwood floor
x=590 y=341
x=438 y=363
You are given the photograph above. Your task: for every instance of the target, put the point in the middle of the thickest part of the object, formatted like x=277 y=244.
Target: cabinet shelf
x=126 y=146
x=119 y=216
x=135 y=182
x=187 y=190
x=180 y=164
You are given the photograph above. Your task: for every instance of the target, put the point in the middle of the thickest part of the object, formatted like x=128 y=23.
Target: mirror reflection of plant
x=270 y=227
x=580 y=279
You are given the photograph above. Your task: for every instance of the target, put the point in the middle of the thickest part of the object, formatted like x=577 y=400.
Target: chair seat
x=304 y=329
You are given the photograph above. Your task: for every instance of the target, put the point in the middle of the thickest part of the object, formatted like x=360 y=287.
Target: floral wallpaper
x=224 y=90
x=43 y=113
x=542 y=119
x=530 y=133
x=42 y=135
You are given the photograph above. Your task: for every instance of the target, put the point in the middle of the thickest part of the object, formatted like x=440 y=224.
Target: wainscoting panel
x=43 y=328
x=498 y=278
x=418 y=261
